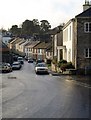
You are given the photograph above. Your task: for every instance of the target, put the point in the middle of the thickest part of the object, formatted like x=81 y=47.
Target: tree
x=3 y=31
x=45 y=25
x=36 y=27
x=15 y=30
x=35 y=22
x=27 y=28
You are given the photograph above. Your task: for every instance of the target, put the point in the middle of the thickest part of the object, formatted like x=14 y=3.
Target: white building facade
x=68 y=41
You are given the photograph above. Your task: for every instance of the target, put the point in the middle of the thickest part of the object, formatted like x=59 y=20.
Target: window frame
x=87 y=27
x=87 y=53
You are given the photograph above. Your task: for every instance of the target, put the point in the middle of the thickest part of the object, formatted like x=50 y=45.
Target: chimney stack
x=87 y=5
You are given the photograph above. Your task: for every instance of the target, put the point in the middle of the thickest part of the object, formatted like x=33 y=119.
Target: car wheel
x=36 y=72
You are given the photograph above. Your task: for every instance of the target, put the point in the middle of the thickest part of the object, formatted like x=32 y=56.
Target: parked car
x=30 y=60
x=20 y=59
x=16 y=65
x=26 y=58
x=15 y=57
x=39 y=61
x=5 y=67
x=41 y=68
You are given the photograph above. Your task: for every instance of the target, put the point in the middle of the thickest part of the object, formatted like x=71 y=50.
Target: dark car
x=39 y=61
x=30 y=60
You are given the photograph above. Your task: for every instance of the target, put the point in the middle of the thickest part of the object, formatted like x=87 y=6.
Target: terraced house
x=39 y=51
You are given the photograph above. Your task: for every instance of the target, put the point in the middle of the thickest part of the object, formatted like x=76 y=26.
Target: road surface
x=27 y=95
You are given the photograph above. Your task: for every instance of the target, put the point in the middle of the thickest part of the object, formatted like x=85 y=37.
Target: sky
x=14 y=12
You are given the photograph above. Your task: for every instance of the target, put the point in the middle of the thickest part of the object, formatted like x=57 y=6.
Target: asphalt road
x=27 y=95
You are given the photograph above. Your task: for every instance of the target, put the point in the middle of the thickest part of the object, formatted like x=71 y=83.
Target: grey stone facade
x=82 y=41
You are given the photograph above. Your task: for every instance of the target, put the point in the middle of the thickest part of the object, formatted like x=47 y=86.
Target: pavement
x=84 y=79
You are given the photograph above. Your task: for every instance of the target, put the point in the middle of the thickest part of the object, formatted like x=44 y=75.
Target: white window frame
x=88 y=28
x=87 y=53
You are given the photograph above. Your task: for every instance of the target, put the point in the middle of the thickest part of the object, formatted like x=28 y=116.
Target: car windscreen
x=20 y=58
x=40 y=65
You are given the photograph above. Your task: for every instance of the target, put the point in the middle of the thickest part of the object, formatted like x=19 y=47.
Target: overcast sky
x=55 y=11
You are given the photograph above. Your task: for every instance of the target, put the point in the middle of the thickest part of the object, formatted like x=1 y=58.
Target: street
x=27 y=95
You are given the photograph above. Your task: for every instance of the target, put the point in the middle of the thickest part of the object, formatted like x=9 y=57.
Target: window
x=70 y=33
x=29 y=49
x=87 y=27
x=65 y=35
x=88 y=53
x=38 y=50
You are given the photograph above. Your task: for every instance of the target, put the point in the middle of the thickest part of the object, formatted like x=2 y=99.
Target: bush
x=62 y=62
x=69 y=66
x=64 y=65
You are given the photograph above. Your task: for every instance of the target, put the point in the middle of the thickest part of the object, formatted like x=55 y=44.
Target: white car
x=41 y=68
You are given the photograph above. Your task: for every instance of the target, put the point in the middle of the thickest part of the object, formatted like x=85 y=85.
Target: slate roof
x=49 y=49
x=33 y=43
x=86 y=13
x=3 y=47
x=42 y=45
x=22 y=42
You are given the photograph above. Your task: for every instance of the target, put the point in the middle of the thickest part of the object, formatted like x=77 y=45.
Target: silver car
x=16 y=65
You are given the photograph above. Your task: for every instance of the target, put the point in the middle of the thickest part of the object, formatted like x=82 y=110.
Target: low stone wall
x=53 y=67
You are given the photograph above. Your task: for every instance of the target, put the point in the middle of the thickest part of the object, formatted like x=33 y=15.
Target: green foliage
x=27 y=27
x=63 y=64
x=49 y=65
x=15 y=30
x=45 y=25
x=69 y=66
x=3 y=31
x=31 y=28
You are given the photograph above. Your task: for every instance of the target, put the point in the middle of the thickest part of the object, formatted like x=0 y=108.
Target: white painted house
x=68 y=41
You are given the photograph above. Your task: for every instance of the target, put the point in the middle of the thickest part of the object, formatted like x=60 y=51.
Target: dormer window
x=87 y=27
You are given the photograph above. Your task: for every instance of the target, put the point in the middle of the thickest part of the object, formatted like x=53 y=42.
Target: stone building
x=83 y=40
x=77 y=40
